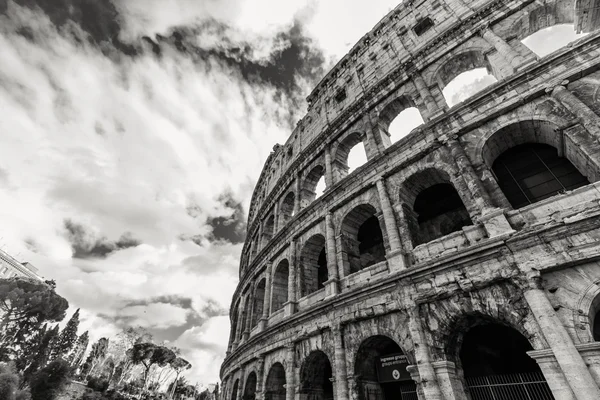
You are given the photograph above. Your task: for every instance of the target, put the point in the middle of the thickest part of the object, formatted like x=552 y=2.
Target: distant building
x=10 y=267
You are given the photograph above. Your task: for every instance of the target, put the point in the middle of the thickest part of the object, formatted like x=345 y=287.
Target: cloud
x=86 y=243
x=155 y=315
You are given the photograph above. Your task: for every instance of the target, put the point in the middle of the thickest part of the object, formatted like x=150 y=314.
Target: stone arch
x=268 y=230
x=309 y=185
x=463 y=61
x=275 y=384
x=587 y=315
x=544 y=16
x=313 y=265
x=361 y=239
x=259 y=301
x=392 y=111
x=373 y=380
x=235 y=389
x=279 y=291
x=435 y=207
x=315 y=376
x=286 y=209
x=524 y=142
x=342 y=151
x=250 y=387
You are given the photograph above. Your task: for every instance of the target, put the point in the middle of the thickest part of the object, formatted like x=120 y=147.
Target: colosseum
x=460 y=261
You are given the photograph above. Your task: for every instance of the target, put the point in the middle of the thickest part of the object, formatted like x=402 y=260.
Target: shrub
x=91 y=395
x=48 y=382
x=8 y=386
x=98 y=384
x=23 y=395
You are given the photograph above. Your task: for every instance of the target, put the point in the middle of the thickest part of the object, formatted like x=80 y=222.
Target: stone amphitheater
x=459 y=262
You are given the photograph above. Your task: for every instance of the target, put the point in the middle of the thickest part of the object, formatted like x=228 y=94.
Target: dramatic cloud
x=86 y=244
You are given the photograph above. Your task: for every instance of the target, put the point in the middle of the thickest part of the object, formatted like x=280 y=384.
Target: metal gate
x=523 y=386
x=408 y=391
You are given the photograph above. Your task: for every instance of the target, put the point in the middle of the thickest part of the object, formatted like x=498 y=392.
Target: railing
x=523 y=386
x=406 y=391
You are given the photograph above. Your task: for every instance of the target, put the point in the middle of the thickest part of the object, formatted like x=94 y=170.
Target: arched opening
x=247 y=315
x=596 y=326
x=437 y=208
x=349 y=155
x=250 y=389
x=234 y=391
x=321 y=185
x=381 y=372
x=309 y=190
x=464 y=75
x=315 y=377
x=362 y=239
x=286 y=210
x=279 y=293
x=275 y=385
x=259 y=301
x=531 y=172
x=398 y=119
x=550 y=39
x=234 y=321
x=268 y=230
x=496 y=365
x=313 y=265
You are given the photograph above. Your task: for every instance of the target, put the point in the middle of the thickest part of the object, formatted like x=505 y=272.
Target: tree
x=149 y=354
x=76 y=355
x=47 y=383
x=97 y=354
x=179 y=365
x=41 y=354
x=67 y=338
x=25 y=304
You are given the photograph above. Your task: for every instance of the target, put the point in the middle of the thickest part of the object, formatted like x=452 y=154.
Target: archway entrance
x=234 y=392
x=315 y=377
x=496 y=365
x=381 y=371
x=250 y=389
x=362 y=239
x=313 y=265
x=275 y=386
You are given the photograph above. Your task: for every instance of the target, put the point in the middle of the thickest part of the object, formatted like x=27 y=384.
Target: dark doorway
x=250 y=390
x=381 y=370
x=315 y=377
x=496 y=365
x=234 y=392
x=362 y=239
x=275 y=386
x=313 y=265
x=597 y=326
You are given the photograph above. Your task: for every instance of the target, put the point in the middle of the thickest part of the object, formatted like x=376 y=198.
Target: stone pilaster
x=275 y=218
x=404 y=227
x=503 y=48
x=428 y=378
x=260 y=375
x=341 y=378
x=238 y=333
x=567 y=356
x=290 y=305
x=587 y=117
x=328 y=169
x=290 y=374
x=396 y=259
x=332 y=284
x=297 y=198
x=267 y=301
x=433 y=109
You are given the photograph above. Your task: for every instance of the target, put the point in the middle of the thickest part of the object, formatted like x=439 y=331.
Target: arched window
x=287 y=208
x=311 y=185
x=496 y=365
x=464 y=75
x=259 y=301
x=362 y=239
x=437 y=208
x=247 y=315
x=234 y=321
x=548 y=40
x=373 y=382
x=250 y=389
x=316 y=376
x=268 y=230
x=398 y=119
x=279 y=293
x=532 y=172
x=313 y=265
x=275 y=387
x=349 y=155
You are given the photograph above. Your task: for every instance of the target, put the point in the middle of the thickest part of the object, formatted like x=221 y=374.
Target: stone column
x=267 y=302
x=396 y=260
x=448 y=380
x=248 y=317
x=341 y=375
x=290 y=374
x=260 y=374
x=432 y=106
x=290 y=305
x=298 y=196
x=570 y=361
x=503 y=48
x=404 y=227
x=493 y=218
x=429 y=383
x=276 y=218
x=238 y=330
x=331 y=286
x=328 y=169
x=588 y=118
x=240 y=394
x=371 y=146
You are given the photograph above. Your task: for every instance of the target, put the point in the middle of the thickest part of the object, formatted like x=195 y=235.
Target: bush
x=47 y=383
x=8 y=386
x=98 y=384
x=23 y=395
x=91 y=395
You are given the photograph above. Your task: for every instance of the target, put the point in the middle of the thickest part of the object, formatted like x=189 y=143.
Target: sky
x=133 y=133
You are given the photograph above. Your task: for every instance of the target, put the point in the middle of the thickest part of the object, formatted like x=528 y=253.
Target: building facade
x=9 y=267
x=460 y=262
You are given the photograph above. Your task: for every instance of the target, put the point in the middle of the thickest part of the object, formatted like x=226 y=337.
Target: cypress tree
x=67 y=338
x=76 y=355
